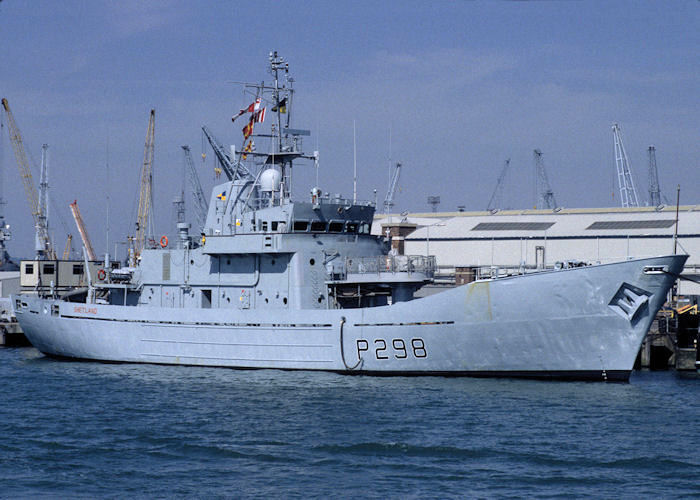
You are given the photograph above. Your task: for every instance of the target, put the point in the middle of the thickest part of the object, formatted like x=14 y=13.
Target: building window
x=77 y=269
x=29 y=269
x=49 y=269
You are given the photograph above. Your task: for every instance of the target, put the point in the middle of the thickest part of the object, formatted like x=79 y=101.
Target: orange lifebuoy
x=101 y=274
x=163 y=241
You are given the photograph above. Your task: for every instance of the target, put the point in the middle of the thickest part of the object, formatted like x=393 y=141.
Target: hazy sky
x=451 y=89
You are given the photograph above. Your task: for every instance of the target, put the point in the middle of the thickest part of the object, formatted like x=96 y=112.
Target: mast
x=277 y=63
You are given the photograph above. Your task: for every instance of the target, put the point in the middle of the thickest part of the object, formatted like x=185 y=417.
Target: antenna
x=107 y=192
x=354 y=163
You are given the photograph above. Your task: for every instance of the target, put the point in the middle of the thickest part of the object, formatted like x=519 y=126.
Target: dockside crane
x=497 y=196
x=545 y=195
x=628 y=193
x=654 y=188
x=43 y=199
x=82 y=230
x=393 y=183
x=143 y=219
x=68 y=247
x=5 y=234
x=201 y=206
x=233 y=169
x=44 y=246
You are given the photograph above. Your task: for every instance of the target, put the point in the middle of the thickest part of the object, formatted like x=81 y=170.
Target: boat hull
x=584 y=323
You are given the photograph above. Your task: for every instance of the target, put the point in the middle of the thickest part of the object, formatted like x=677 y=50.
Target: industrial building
x=479 y=244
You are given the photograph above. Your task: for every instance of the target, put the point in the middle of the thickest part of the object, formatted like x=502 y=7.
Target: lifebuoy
x=163 y=241
x=101 y=274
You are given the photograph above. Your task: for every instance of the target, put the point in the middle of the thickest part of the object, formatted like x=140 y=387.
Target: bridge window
x=77 y=269
x=301 y=226
x=318 y=226
x=49 y=269
x=351 y=227
x=336 y=227
x=29 y=268
x=364 y=228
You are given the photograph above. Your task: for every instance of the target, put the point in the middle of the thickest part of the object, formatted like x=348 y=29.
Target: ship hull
x=584 y=324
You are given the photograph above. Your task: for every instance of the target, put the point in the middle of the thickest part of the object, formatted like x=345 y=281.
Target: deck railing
x=392 y=264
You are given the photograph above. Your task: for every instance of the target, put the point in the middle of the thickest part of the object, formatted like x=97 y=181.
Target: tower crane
x=545 y=195
x=44 y=246
x=628 y=194
x=496 y=197
x=201 y=206
x=82 y=230
x=654 y=188
x=143 y=220
x=389 y=199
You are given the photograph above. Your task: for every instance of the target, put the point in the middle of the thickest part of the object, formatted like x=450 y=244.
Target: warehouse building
x=470 y=245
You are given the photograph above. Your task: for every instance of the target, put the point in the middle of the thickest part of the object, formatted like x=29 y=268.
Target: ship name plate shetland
x=272 y=281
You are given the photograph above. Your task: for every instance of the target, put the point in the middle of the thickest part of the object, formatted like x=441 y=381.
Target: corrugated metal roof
x=583 y=223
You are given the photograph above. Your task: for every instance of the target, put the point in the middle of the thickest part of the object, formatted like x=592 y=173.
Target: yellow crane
x=146 y=190
x=29 y=189
x=82 y=230
x=66 y=251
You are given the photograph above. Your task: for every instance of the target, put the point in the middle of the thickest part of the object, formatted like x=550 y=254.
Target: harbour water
x=88 y=430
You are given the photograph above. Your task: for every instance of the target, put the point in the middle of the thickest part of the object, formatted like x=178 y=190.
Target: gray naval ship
x=270 y=282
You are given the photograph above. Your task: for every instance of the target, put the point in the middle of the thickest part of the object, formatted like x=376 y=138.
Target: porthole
x=320 y=299
x=312 y=262
x=284 y=300
x=273 y=262
x=192 y=261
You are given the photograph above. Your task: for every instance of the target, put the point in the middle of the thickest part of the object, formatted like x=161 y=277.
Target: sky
x=451 y=89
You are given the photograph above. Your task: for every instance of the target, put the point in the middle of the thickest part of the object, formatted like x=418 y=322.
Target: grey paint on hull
x=561 y=324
